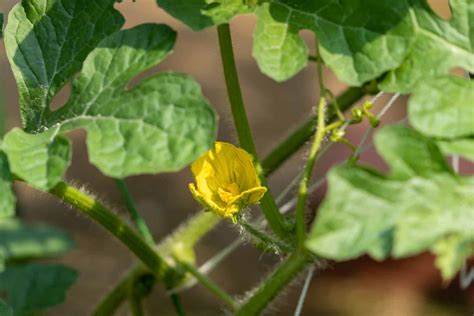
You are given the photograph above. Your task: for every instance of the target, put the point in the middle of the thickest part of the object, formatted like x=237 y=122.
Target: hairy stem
x=210 y=285
x=114 y=225
x=308 y=170
x=274 y=283
x=269 y=207
x=132 y=209
x=268 y=240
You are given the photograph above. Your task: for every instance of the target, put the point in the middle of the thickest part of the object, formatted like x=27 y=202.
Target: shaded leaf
x=36 y=287
x=39 y=159
x=19 y=240
x=420 y=203
x=7 y=197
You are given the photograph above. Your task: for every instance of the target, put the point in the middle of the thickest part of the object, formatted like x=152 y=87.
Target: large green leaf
x=7 y=197
x=36 y=287
x=437 y=47
x=359 y=40
x=419 y=204
x=46 y=43
x=19 y=240
x=444 y=109
x=39 y=159
x=160 y=124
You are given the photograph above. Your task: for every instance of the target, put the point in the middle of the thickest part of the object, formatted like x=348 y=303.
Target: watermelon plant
x=164 y=123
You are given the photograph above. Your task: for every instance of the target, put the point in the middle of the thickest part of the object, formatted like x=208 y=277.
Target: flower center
x=229 y=193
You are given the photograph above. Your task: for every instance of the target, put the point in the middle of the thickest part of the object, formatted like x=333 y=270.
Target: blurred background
x=361 y=287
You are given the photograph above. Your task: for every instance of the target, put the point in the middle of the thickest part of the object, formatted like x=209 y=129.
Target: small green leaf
x=20 y=240
x=366 y=212
x=36 y=287
x=7 y=197
x=452 y=252
x=39 y=159
x=279 y=50
x=47 y=41
x=190 y=12
x=443 y=108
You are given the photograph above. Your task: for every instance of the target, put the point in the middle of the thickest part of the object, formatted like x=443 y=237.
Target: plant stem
x=132 y=209
x=110 y=303
x=177 y=304
x=114 y=225
x=135 y=303
x=301 y=135
x=308 y=170
x=269 y=207
x=209 y=284
x=274 y=283
x=268 y=240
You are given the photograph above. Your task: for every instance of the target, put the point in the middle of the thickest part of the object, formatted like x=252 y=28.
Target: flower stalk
x=268 y=205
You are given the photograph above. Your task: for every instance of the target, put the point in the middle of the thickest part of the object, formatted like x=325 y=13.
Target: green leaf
x=462 y=147
x=452 y=252
x=190 y=12
x=161 y=124
x=279 y=50
x=19 y=240
x=47 y=41
x=437 y=45
x=7 y=197
x=5 y=309
x=359 y=40
x=39 y=159
x=443 y=108
x=407 y=212
x=34 y=287
x=199 y=14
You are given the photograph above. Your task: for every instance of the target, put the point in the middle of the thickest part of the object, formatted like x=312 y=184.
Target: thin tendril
x=304 y=291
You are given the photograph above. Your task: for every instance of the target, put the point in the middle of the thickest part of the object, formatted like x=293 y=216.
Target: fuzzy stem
x=114 y=225
x=303 y=189
x=268 y=240
x=270 y=287
x=269 y=207
x=132 y=209
x=210 y=285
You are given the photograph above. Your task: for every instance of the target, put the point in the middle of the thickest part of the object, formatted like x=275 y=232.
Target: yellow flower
x=226 y=180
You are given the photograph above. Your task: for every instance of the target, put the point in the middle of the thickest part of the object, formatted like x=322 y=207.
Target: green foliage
x=1 y=24
x=444 y=108
x=7 y=197
x=39 y=159
x=161 y=124
x=5 y=309
x=359 y=40
x=46 y=43
x=19 y=241
x=35 y=287
x=413 y=209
